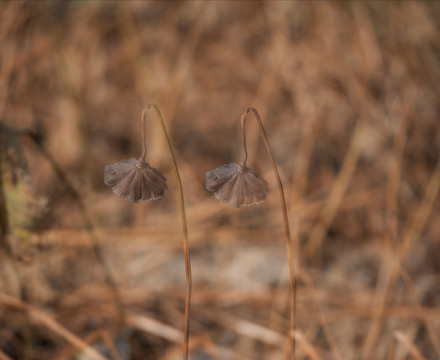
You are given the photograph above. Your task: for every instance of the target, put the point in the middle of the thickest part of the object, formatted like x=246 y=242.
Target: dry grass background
x=349 y=94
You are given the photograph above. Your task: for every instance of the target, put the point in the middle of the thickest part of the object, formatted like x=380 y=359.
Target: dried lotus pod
x=237 y=185
x=135 y=180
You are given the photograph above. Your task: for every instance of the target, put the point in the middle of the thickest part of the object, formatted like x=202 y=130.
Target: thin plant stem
x=184 y=228
x=391 y=349
x=144 y=142
x=289 y=245
x=243 y=164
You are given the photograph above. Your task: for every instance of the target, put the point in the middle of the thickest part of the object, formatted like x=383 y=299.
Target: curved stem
x=289 y=245
x=243 y=164
x=144 y=143
x=184 y=229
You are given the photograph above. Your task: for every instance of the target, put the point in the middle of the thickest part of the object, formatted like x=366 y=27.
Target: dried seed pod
x=237 y=185
x=135 y=180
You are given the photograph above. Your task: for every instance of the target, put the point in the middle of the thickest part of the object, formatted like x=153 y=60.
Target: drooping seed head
x=135 y=180
x=237 y=185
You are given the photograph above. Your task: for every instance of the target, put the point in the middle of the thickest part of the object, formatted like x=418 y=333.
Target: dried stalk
x=184 y=227
x=289 y=245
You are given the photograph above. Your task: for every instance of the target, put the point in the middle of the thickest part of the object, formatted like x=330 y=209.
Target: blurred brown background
x=349 y=95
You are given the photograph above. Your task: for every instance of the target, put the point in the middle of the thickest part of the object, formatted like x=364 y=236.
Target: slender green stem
x=289 y=245
x=184 y=228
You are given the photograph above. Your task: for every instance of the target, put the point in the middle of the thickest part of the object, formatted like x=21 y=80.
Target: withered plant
x=135 y=180
x=240 y=186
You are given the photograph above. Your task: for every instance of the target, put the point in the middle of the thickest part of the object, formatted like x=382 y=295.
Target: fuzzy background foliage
x=349 y=95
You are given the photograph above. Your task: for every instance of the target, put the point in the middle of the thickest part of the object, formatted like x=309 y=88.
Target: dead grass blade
x=155 y=327
x=408 y=344
x=391 y=349
x=271 y=337
x=110 y=344
x=387 y=279
x=3 y=356
x=90 y=339
x=42 y=318
x=389 y=270
x=414 y=227
x=90 y=228
x=337 y=192
x=322 y=320
x=199 y=342
x=410 y=285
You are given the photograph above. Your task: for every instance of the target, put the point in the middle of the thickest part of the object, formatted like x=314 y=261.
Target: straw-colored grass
x=348 y=92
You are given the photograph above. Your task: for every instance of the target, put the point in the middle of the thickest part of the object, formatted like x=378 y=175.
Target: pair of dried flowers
x=236 y=184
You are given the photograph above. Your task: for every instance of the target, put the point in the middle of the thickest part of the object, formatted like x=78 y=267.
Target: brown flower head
x=237 y=185
x=135 y=180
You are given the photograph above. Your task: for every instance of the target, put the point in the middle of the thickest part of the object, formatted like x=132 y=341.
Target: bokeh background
x=349 y=95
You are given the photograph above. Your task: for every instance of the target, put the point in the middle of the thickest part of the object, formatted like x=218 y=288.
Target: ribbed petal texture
x=135 y=181
x=236 y=185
